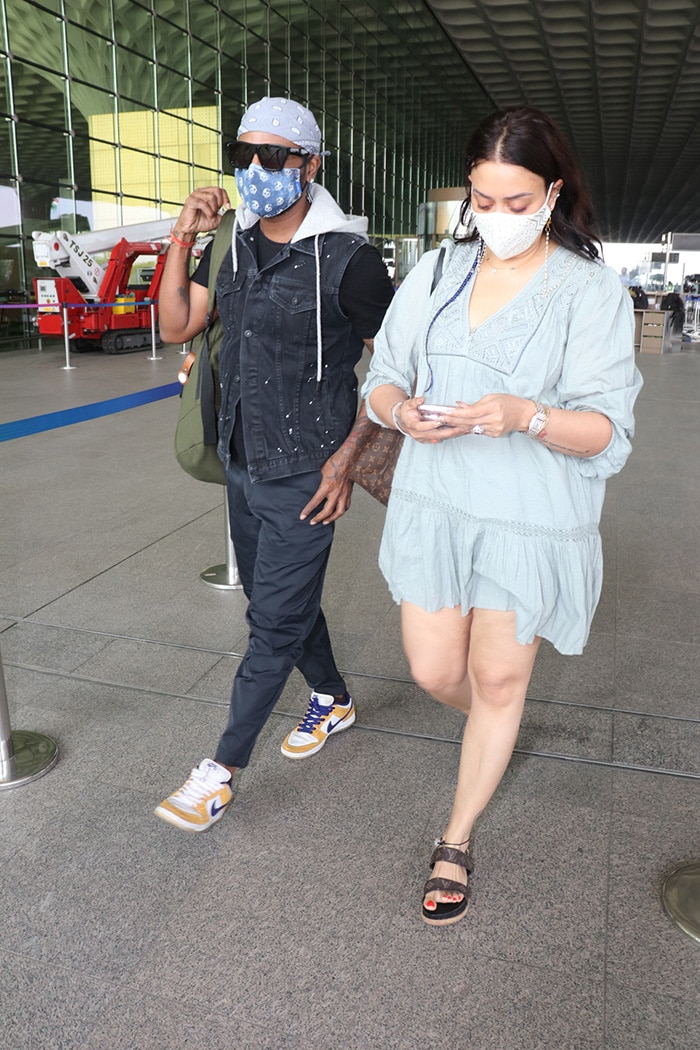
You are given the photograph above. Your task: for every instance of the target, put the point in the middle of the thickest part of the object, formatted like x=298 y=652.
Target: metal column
x=24 y=755
x=225 y=577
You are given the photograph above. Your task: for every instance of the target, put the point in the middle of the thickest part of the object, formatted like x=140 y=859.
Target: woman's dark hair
x=530 y=139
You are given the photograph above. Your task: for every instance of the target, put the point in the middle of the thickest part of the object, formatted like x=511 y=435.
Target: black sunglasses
x=271 y=157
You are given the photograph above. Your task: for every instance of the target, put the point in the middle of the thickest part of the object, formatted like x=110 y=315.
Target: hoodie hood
x=324 y=216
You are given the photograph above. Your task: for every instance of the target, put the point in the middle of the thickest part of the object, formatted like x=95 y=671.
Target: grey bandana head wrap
x=284 y=117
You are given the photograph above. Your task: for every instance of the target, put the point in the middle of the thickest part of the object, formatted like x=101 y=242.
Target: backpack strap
x=437 y=272
x=221 y=245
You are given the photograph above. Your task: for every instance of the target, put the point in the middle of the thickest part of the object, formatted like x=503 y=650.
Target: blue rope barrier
x=54 y=420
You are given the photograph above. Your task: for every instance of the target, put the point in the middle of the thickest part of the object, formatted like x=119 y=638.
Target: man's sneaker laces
x=319 y=722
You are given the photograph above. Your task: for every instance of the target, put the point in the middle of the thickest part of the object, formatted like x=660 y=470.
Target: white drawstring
x=234 y=251
x=319 y=333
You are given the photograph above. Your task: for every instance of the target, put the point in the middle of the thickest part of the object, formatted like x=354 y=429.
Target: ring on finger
x=477 y=429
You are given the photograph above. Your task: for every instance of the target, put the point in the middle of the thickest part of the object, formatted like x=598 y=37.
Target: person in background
x=522 y=361
x=300 y=294
x=625 y=277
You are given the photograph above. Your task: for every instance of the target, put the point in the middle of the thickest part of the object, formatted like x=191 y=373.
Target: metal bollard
x=68 y=367
x=225 y=577
x=681 y=898
x=152 y=356
x=24 y=755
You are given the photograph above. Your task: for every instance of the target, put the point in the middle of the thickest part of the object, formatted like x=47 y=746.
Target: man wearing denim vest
x=299 y=294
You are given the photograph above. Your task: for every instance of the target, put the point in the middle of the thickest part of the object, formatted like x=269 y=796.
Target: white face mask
x=508 y=235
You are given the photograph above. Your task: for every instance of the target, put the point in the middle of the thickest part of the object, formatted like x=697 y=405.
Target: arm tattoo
x=363 y=432
x=583 y=453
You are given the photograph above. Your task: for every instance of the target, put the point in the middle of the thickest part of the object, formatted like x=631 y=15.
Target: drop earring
x=547 y=228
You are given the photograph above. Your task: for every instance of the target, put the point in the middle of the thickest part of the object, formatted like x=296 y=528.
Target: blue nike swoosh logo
x=216 y=809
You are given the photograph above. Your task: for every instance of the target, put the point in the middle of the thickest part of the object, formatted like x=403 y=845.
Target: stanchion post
x=68 y=367
x=681 y=898
x=224 y=577
x=152 y=310
x=24 y=756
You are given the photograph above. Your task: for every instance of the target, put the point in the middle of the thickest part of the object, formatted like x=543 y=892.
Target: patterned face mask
x=268 y=193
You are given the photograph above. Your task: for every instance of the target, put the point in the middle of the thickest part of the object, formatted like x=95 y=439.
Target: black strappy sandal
x=445 y=912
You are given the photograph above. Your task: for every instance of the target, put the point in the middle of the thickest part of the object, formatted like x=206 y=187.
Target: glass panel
x=4 y=92
x=89 y=58
x=38 y=200
x=26 y=26
x=256 y=59
x=171 y=46
x=206 y=144
x=204 y=63
x=9 y=206
x=103 y=168
x=173 y=89
x=175 y=180
x=39 y=95
x=135 y=80
x=137 y=129
x=257 y=85
x=204 y=95
x=96 y=18
x=173 y=137
x=42 y=153
x=14 y=288
x=107 y=211
x=139 y=209
x=176 y=11
x=233 y=85
x=6 y=150
x=138 y=175
x=133 y=28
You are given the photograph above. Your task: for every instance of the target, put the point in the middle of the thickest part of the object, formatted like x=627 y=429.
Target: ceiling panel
x=622 y=78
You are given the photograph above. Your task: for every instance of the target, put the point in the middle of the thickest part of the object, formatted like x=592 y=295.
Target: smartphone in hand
x=436 y=412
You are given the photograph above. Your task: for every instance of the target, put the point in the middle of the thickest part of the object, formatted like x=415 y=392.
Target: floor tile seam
x=120 y=562
x=364 y=726
x=345 y=671
x=542 y=969
x=368 y=727
x=28 y=958
x=73 y=675
x=631 y=985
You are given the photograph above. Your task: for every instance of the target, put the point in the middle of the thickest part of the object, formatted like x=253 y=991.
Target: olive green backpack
x=196 y=433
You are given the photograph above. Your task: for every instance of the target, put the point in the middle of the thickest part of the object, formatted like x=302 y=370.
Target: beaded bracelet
x=180 y=244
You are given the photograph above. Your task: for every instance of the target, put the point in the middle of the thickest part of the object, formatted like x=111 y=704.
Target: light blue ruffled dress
x=506 y=523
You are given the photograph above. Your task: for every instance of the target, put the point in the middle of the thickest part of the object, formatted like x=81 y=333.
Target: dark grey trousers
x=282 y=564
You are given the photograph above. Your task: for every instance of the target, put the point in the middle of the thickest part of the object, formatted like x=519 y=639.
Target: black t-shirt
x=364 y=295
x=365 y=290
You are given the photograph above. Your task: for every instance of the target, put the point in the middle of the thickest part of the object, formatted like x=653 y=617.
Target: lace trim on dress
x=518 y=528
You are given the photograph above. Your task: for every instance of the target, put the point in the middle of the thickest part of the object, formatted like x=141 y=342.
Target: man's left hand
x=335 y=492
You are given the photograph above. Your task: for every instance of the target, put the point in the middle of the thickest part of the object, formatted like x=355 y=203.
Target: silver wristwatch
x=539 y=420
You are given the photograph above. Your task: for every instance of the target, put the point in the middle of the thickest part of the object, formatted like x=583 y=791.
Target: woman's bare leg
x=498 y=673
x=437 y=647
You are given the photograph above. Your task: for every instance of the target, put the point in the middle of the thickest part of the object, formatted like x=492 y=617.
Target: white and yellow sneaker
x=202 y=799
x=325 y=715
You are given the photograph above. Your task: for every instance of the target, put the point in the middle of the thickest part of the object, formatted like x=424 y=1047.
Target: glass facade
x=113 y=112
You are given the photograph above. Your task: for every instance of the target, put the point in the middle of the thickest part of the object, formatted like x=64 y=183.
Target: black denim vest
x=268 y=357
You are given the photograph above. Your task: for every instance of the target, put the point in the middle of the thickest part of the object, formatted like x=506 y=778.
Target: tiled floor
x=295 y=922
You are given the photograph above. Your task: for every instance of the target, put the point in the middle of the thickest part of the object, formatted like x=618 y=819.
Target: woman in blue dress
x=514 y=382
